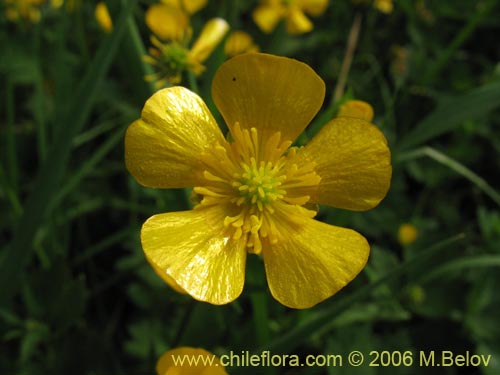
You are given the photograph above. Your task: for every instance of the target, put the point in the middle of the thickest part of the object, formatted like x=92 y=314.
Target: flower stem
x=352 y=42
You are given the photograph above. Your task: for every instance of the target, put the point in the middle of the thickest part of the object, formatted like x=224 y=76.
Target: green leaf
x=70 y=121
x=444 y=58
x=454 y=165
x=461 y=264
x=452 y=113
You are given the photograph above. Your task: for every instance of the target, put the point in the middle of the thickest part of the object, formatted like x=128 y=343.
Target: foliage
x=77 y=295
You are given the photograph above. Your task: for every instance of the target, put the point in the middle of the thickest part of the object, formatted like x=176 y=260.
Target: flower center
x=262 y=188
x=170 y=60
x=259 y=184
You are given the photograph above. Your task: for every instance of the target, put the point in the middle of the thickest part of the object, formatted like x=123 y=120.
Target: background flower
x=269 y=13
x=27 y=10
x=239 y=42
x=170 y=59
x=103 y=17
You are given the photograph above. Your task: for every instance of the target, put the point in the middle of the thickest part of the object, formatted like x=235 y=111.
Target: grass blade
x=461 y=264
x=452 y=113
x=444 y=58
x=51 y=173
x=456 y=166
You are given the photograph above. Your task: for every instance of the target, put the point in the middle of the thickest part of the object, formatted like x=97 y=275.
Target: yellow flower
x=167 y=22
x=188 y=6
x=385 y=6
x=169 y=19
x=270 y=12
x=189 y=361
x=356 y=109
x=27 y=10
x=103 y=18
x=174 y=57
x=253 y=187
x=407 y=234
x=56 y=3
x=239 y=42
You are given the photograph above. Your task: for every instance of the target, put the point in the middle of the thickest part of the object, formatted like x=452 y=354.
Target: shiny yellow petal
x=168 y=280
x=163 y=148
x=208 y=363
x=267 y=17
x=239 y=42
x=103 y=17
x=167 y=22
x=354 y=163
x=312 y=7
x=269 y=93
x=211 y=35
x=315 y=262
x=194 y=249
x=357 y=109
x=297 y=22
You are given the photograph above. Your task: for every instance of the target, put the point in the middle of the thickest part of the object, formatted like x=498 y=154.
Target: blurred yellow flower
x=239 y=42
x=255 y=191
x=169 y=19
x=270 y=12
x=385 y=6
x=188 y=6
x=407 y=234
x=356 y=109
x=173 y=57
x=103 y=18
x=167 y=22
x=26 y=10
x=189 y=361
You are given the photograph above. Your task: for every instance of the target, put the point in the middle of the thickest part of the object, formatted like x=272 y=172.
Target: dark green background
x=78 y=297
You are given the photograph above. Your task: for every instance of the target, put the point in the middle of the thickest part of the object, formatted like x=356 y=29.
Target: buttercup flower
x=169 y=19
x=188 y=6
x=357 y=109
x=255 y=192
x=167 y=22
x=239 y=42
x=385 y=6
x=28 y=10
x=407 y=234
x=189 y=361
x=270 y=12
x=173 y=57
x=103 y=18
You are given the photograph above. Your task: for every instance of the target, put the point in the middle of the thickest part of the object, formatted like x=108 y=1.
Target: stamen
x=262 y=187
